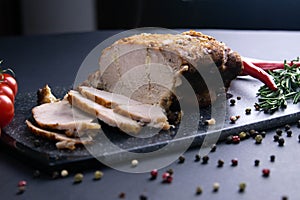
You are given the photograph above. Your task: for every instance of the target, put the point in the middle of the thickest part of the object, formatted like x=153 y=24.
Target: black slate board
x=44 y=152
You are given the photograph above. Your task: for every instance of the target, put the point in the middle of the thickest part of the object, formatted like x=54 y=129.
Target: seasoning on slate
x=198 y=190
x=181 y=159
x=232 y=102
x=213 y=148
x=234 y=162
x=266 y=172
x=64 y=173
x=242 y=187
x=276 y=138
x=281 y=142
x=256 y=162
x=279 y=132
x=197 y=157
x=289 y=133
x=272 y=158
x=78 y=178
x=216 y=187
x=258 y=139
x=134 y=163
x=220 y=163
x=248 y=111
x=205 y=159
x=236 y=139
x=98 y=175
x=287 y=127
x=242 y=135
x=154 y=174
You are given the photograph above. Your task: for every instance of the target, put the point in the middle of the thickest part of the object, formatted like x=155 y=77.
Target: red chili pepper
x=270 y=65
x=260 y=74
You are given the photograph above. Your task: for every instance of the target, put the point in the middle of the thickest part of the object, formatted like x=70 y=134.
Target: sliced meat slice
x=63 y=141
x=61 y=116
x=104 y=98
x=151 y=114
x=104 y=114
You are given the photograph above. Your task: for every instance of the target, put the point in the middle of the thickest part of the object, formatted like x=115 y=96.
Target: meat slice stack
x=74 y=116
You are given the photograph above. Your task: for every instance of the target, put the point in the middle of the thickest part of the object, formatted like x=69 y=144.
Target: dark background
x=24 y=17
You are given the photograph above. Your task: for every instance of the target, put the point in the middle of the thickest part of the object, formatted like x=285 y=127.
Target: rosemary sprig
x=288 y=83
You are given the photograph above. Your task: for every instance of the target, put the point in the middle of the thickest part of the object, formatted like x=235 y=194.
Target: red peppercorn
x=266 y=172
x=167 y=177
x=236 y=139
x=22 y=183
x=154 y=173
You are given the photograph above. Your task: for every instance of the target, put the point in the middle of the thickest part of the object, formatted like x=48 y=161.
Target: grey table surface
x=55 y=59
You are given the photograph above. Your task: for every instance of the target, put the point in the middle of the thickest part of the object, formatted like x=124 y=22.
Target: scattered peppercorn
x=248 y=111
x=253 y=133
x=234 y=162
x=276 y=138
x=236 y=139
x=78 y=178
x=197 y=158
x=198 y=190
x=21 y=186
x=122 y=195
x=205 y=159
x=242 y=187
x=22 y=183
x=257 y=107
x=284 y=198
x=181 y=159
x=213 y=148
x=243 y=135
x=55 y=175
x=289 y=133
x=258 y=139
x=170 y=171
x=167 y=178
x=233 y=119
x=238 y=98
x=220 y=163
x=143 y=197
x=272 y=158
x=279 y=132
x=36 y=173
x=98 y=175
x=256 y=162
x=232 y=102
x=154 y=174
x=229 y=139
x=266 y=172
x=64 y=173
x=263 y=134
x=216 y=187
x=281 y=142
x=134 y=163
x=287 y=127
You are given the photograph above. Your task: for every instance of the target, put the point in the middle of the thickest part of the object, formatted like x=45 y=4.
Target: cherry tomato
x=11 y=82
x=6 y=110
x=7 y=91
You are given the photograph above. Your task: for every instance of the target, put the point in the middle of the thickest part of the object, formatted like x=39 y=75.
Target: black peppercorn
x=284 y=198
x=229 y=139
x=281 y=142
x=238 y=98
x=232 y=102
x=272 y=158
x=197 y=158
x=234 y=162
x=220 y=163
x=289 y=133
x=287 y=127
x=279 y=132
x=248 y=111
x=276 y=138
x=181 y=159
x=205 y=159
x=213 y=148
x=122 y=195
x=198 y=190
x=256 y=162
x=263 y=133
x=143 y=197
x=253 y=133
x=170 y=171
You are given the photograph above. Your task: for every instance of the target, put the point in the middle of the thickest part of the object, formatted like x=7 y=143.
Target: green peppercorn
x=98 y=175
x=258 y=139
x=248 y=111
x=229 y=139
x=55 y=175
x=253 y=133
x=78 y=178
x=134 y=163
x=242 y=135
x=242 y=187
x=198 y=190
